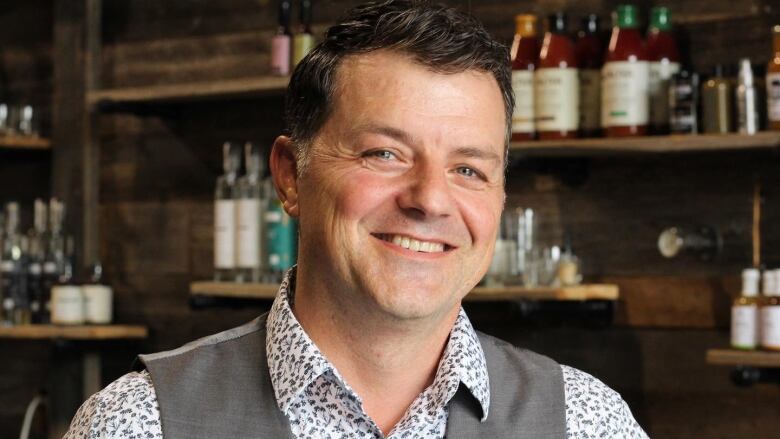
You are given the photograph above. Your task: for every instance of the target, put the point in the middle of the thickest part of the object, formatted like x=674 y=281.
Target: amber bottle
x=525 y=53
x=589 y=50
x=773 y=83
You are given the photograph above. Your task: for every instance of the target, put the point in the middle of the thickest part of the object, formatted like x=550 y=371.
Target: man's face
x=400 y=204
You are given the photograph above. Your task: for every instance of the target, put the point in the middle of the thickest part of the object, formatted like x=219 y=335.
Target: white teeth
x=413 y=244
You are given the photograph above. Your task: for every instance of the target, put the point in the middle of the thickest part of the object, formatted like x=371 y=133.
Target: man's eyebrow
x=392 y=132
x=478 y=153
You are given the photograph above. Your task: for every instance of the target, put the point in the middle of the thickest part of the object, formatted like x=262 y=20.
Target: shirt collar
x=294 y=361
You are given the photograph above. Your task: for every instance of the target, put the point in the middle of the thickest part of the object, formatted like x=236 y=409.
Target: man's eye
x=468 y=172
x=382 y=154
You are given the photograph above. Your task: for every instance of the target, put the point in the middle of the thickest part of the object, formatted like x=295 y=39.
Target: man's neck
x=387 y=361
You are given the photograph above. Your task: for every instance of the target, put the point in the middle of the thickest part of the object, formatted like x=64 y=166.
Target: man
x=399 y=124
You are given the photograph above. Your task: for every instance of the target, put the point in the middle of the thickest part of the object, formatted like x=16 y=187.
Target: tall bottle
x=225 y=214
x=56 y=260
x=717 y=102
x=303 y=41
x=770 y=312
x=664 y=61
x=624 y=78
x=37 y=255
x=748 y=118
x=250 y=213
x=744 y=312
x=13 y=279
x=589 y=51
x=525 y=54
x=773 y=83
x=281 y=238
x=556 y=84
x=280 y=43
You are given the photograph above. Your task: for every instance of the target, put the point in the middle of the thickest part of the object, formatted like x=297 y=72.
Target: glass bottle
x=225 y=214
x=683 y=99
x=525 y=54
x=55 y=261
x=773 y=82
x=717 y=106
x=748 y=118
x=624 y=78
x=37 y=255
x=664 y=61
x=303 y=41
x=280 y=43
x=744 y=312
x=281 y=238
x=250 y=216
x=556 y=84
x=13 y=279
x=589 y=51
x=770 y=312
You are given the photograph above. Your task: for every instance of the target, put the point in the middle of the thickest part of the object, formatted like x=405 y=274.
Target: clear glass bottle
x=717 y=103
x=54 y=263
x=744 y=312
x=250 y=248
x=747 y=99
x=225 y=214
x=37 y=255
x=770 y=311
x=13 y=281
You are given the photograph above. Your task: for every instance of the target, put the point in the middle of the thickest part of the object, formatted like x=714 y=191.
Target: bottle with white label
x=225 y=214
x=744 y=312
x=770 y=311
x=664 y=61
x=249 y=217
x=773 y=82
x=556 y=84
x=624 y=78
x=525 y=54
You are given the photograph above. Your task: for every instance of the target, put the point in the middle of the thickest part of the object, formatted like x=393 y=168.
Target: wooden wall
x=158 y=171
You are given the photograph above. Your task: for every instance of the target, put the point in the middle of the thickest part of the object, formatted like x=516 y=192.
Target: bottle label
x=50 y=267
x=302 y=44
x=280 y=55
x=773 y=96
x=248 y=220
x=624 y=93
x=34 y=269
x=770 y=326
x=557 y=99
x=657 y=88
x=590 y=99
x=744 y=326
x=224 y=234
x=523 y=115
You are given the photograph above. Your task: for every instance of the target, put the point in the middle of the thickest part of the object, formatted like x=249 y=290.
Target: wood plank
x=264 y=85
x=733 y=357
x=24 y=142
x=96 y=332
x=648 y=144
x=580 y=292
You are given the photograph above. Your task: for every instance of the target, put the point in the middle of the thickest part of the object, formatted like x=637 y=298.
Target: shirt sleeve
x=593 y=410
x=126 y=408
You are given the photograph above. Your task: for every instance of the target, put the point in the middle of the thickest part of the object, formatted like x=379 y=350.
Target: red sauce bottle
x=624 y=78
x=589 y=50
x=556 y=83
x=525 y=52
x=664 y=62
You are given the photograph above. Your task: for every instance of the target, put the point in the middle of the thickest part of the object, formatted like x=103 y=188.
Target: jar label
x=556 y=99
x=624 y=93
x=770 y=326
x=773 y=96
x=590 y=99
x=224 y=234
x=658 y=90
x=744 y=326
x=523 y=115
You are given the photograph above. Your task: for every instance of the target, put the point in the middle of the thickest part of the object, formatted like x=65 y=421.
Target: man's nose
x=428 y=192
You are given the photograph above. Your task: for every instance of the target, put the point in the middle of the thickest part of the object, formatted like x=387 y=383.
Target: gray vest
x=220 y=387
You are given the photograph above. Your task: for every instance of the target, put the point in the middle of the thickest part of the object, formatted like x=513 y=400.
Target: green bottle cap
x=626 y=17
x=660 y=18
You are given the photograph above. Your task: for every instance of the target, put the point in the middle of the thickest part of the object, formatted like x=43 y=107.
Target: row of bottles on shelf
x=755 y=320
x=288 y=49
x=631 y=86
x=254 y=238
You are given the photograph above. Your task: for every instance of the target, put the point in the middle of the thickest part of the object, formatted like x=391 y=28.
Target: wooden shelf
x=82 y=332
x=648 y=144
x=169 y=93
x=24 y=142
x=484 y=294
x=734 y=357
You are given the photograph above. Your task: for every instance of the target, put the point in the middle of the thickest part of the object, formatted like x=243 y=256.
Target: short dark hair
x=435 y=36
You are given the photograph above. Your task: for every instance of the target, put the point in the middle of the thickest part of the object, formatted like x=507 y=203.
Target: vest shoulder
x=508 y=352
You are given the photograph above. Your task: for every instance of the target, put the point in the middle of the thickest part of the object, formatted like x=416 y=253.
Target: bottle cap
x=590 y=23
x=750 y=280
x=626 y=17
x=660 y=18
x=556 y=23
x=745 y=72
x=525 y=25
x=231 y=157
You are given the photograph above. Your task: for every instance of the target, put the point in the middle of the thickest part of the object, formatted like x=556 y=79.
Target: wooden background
x=157 y=172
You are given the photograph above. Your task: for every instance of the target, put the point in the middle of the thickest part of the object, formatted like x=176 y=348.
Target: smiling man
x=399 y=123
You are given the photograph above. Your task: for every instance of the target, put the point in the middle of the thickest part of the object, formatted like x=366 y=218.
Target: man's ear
x=284 y=170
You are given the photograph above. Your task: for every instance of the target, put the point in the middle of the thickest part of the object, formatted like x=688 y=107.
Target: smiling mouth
x=413 y=244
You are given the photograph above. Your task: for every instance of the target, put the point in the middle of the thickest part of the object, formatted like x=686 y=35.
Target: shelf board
x=24 y=142
x=169 y=93
x=648 y=144
x=80 y=332
x=734 y=357
x=579 y=292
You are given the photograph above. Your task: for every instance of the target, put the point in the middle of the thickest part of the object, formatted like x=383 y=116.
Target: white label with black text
x=557 y=99
x=744 y=326
x=224 y=234
x=624 y=93
x=523 y=115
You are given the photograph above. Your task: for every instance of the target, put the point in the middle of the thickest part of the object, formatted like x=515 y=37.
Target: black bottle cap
x=590 y=23
x=284 y=13
x=556 y=23
x=306 y=12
